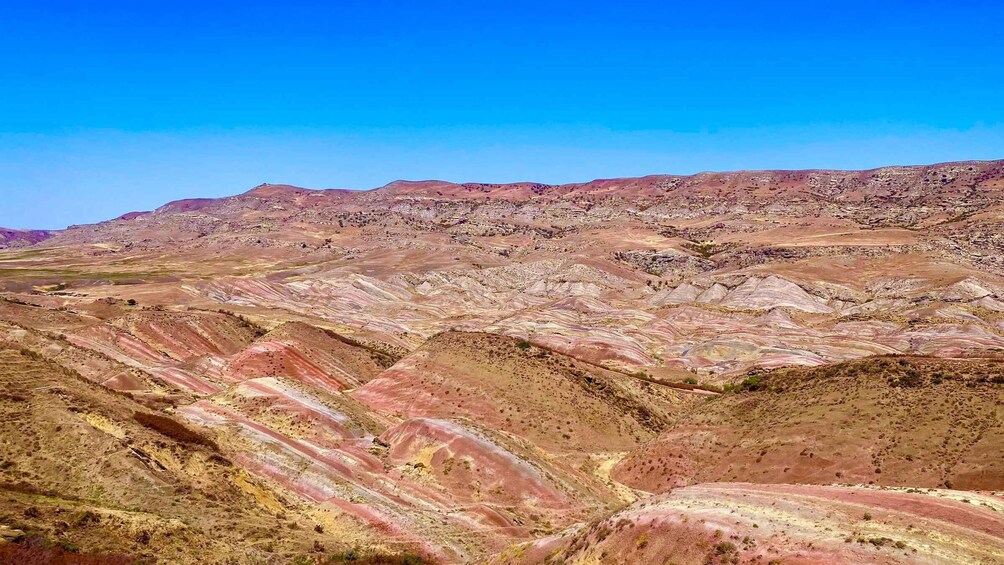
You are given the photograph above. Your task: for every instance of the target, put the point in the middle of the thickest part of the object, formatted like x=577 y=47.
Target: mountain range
x=798 y=367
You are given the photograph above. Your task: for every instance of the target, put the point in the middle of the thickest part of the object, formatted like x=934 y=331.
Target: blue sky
x=108 y=107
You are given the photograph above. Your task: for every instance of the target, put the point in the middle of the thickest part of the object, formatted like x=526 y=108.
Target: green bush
x=750 y=383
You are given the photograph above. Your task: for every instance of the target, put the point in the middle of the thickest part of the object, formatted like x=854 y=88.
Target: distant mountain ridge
x=10 y=238
x=965 y=183
x=889 y=196
x=830 y=180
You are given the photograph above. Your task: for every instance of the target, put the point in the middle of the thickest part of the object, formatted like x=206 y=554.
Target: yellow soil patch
x=605 y=463
x=104 y=424
x=263 y=496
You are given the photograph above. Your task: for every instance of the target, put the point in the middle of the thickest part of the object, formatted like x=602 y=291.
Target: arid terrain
x=761 y=367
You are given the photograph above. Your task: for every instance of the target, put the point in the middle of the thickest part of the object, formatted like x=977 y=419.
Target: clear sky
x=109 y=107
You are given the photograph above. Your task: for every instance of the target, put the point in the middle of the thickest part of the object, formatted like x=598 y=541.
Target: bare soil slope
x=84 y=467
x=897 y=421
x=446 y=370
x=560 y=404
x=725 y=523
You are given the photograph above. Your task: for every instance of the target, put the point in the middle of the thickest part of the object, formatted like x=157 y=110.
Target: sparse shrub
x=84 y=519
x=67 y=546
x=725 y=548
x=355 y=556
x=750 y=383
x=36 y=549
x=219 y=460
x=523 y=344
x=911 y=378
x=879 y=542
x=345 y=556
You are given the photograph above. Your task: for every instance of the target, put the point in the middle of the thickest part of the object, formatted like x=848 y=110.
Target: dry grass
x=37 y=551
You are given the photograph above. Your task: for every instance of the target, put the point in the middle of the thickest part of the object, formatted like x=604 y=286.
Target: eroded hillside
x=721 y=368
